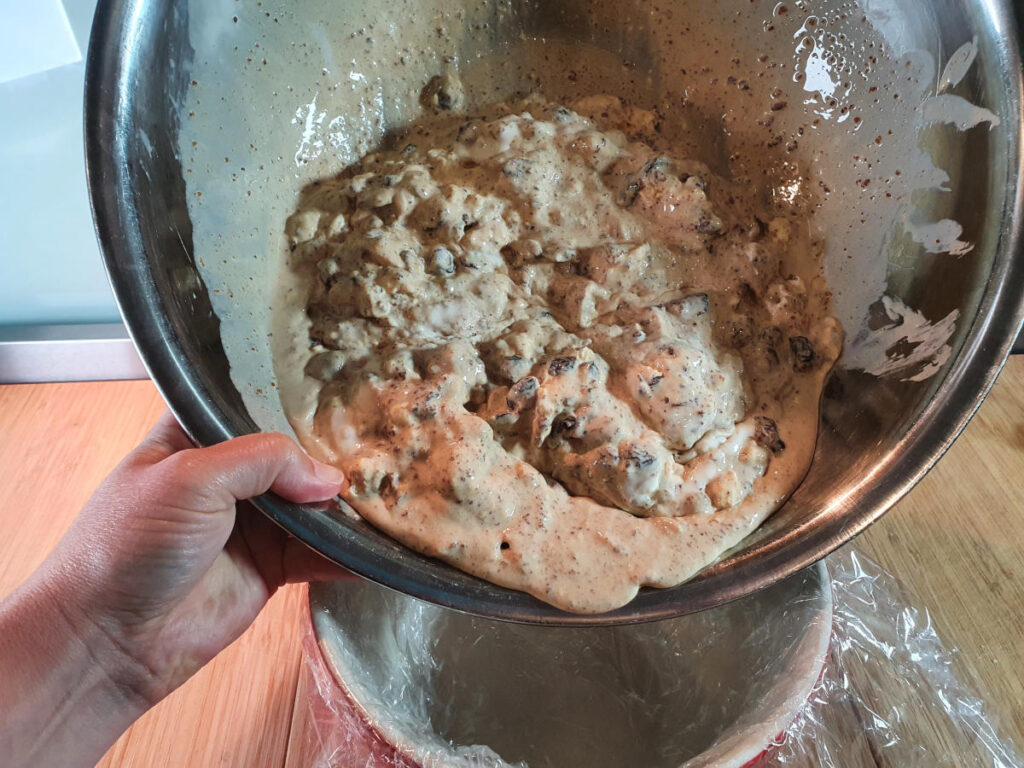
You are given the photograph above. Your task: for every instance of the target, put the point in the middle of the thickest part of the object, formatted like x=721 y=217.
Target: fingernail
x=327 y=473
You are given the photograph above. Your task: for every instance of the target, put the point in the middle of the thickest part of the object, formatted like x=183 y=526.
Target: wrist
x=69 y=690
x=79 y=605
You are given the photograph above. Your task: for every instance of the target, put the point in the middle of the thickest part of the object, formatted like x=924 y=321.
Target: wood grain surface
x=955 y=543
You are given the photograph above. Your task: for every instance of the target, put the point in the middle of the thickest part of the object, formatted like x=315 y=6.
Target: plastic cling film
x=889 y=694
x=337 y=734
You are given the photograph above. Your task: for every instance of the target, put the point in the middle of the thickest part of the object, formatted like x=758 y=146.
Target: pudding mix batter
x=549 y=351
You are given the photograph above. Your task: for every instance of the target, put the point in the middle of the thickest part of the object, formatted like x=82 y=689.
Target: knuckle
x=279 y=443
x=182 y=469
x=276 y=449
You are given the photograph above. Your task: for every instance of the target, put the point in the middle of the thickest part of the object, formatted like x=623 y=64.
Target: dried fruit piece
x=766 y=434
x=804 y=356
x=561 y=365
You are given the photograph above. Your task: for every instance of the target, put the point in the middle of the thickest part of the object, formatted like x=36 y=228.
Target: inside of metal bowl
x=206 y=119
x=449 y=689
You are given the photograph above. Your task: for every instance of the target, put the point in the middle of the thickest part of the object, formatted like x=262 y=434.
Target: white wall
x=50 y=268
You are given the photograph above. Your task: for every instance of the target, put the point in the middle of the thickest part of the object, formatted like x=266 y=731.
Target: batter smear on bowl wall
x=552 y=353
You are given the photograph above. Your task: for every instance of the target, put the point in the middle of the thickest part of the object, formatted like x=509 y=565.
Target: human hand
x=164 y=567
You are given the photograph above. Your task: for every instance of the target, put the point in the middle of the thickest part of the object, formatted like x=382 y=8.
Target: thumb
x=251 y=465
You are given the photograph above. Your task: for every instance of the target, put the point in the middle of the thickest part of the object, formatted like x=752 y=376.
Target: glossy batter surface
x=550 y=352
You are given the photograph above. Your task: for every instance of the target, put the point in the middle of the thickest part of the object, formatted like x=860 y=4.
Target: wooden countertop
x=955 y=543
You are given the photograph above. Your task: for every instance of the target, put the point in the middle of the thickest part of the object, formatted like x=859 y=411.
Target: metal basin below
x=447 y=689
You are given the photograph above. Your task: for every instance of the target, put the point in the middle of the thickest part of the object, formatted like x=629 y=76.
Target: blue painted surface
x=50 y=267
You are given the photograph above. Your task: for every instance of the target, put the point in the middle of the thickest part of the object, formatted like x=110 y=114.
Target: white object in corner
x=35 y=36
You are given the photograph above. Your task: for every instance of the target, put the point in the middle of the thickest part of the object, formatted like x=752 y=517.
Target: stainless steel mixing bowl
x=150 y=89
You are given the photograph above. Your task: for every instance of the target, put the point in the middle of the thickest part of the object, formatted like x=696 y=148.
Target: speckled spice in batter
x=548 y=351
